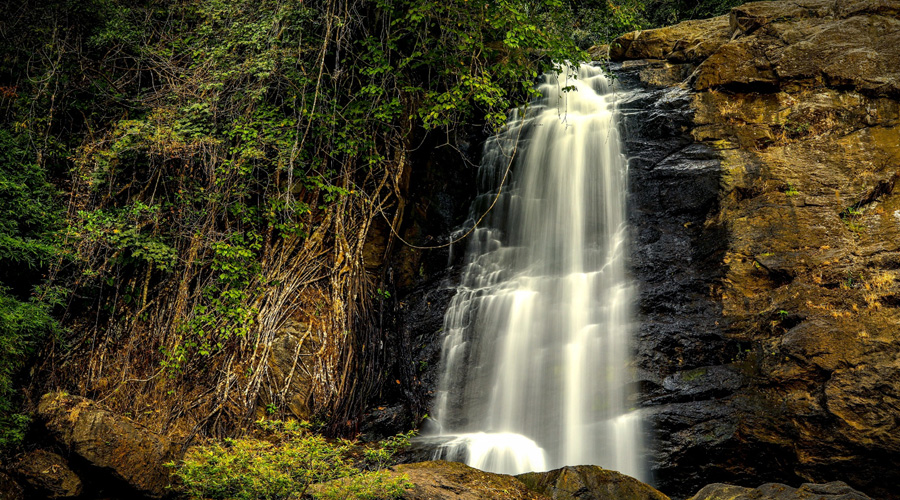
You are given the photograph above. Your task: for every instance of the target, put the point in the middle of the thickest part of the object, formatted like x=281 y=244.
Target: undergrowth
x=285 y=463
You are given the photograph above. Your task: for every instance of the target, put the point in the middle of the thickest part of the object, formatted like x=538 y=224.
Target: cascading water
x=535 y=364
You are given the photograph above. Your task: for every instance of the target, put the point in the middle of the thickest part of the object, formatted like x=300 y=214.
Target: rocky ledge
x=128 y=462
x=765 y=149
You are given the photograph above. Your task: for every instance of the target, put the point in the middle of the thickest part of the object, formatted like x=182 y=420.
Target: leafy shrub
x=377 y=485
x=285 y=465
x=29 y=218
x=22 y=324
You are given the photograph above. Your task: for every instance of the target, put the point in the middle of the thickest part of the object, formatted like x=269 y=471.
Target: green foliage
x=29 y=220
x=23 y=324
x=121 y=230
x=281 y=467
x=376 y=485
x=29 y=215
x=851 y=216
x=383 y=455
x=484 y=55
x=226 y=311
x=601 y=21
x=252 y=469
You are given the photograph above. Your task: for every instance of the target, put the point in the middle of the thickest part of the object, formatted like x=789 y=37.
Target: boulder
x=440 y=480
x=383 y=422
x=589 y=482
x=109 y=442
x=690 y=41
x=836 y=490
x=49 y=474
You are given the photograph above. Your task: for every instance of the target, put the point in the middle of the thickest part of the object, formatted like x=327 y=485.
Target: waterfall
x=536 y=351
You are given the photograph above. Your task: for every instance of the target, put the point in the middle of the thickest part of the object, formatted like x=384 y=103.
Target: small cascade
x=502 y=452
x=535 y=367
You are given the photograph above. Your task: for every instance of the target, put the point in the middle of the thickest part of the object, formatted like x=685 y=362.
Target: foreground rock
x=765 y=149
x=49 y=474
x=589 y=482
x=109 y=442
x=440 y=480
x=774 y=491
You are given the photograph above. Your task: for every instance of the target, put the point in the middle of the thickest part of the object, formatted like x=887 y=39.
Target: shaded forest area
x=180 y=178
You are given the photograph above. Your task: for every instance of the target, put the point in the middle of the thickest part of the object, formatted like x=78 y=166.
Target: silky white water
x=535 y=364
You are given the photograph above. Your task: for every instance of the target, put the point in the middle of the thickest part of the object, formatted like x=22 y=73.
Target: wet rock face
x=766 y=149
x=109 y=443
x=418 y=283
x=686 y=365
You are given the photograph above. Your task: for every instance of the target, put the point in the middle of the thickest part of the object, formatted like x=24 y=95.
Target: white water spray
x=535 y=367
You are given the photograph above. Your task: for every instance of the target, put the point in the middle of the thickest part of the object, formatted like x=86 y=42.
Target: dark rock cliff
x=765 y=147
x=685 y=362
x=419 y=270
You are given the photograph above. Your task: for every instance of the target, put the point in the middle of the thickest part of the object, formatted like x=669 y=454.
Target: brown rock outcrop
x=440 y=480
x=589 y=482
x=690 y=41
x=108 y=441
x=793 y=110
x=290 y=381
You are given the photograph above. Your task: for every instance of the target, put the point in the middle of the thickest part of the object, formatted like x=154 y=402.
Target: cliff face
x=765 y=148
